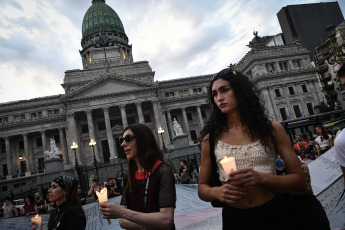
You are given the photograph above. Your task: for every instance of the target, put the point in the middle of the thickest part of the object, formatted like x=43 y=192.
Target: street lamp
x=161 y=131
x=74 y=147
x=93 y=144
x=20 y=156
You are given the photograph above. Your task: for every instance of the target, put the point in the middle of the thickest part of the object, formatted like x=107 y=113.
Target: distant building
x=307 y=22
x=329 y=55
x=285 y=76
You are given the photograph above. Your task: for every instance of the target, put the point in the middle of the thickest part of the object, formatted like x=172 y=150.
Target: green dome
x=101 y=15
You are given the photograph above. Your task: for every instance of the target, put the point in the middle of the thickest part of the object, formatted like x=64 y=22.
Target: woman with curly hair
x=323 y=141
x=251 y=196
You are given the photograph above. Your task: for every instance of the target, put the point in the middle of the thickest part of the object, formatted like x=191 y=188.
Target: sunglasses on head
x=224 y=72
x=128 y=138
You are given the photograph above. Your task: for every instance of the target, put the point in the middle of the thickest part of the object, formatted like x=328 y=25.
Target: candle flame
x=36 y=216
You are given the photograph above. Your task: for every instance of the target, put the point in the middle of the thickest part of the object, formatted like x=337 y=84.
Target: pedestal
x=53 y=165
x=27 y=173
x=181 y=141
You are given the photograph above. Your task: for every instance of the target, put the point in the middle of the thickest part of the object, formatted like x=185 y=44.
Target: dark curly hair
x=250 y=106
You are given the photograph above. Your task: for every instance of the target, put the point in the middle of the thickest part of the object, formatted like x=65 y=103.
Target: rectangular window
x=101 y=126
x=183 y=92
x=4 y=170
x=283 y=65
x=38 y=142
x=21 y=144
x=50 y=112
x=203 y=114
x=3 y=148
x=283 y=113
x=22 y=116
x=310 y=109
x=147 y=118
x=196 y=90
x=297 y=111
x=0 y=120
x=166 y=94
x=172 y=94
x=5 y=119
x=304 y=88
x=296 y=63
x=116 y=122
x=189 y=117
x=193 y=136
x=270 y=67
x=291 y=91
x=33 y=115
x=131 y=120
x=84 y=128
x=39 y=114
x=16 y=118
x=277 y=91
x=56 y=111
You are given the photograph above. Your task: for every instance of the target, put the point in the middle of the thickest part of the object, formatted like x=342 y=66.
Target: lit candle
x=103 y=197
x=228 y=164
x=36 y=221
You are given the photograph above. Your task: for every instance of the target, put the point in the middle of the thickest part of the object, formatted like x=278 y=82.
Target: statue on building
x=177 y=128
x=54 y=151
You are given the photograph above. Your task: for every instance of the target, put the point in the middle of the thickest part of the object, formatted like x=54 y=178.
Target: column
x=170 y=126
x=8 y=159
x=123 y=115
x=63 y=146
x=44 y=141
x=92 y=133
x=158 y=123
x=200 y=117
x=287 y=98
x=140 y=112
x=271 y=102
x=74 y=138
x=186 y=125
x=111 y=143
x=27 y=157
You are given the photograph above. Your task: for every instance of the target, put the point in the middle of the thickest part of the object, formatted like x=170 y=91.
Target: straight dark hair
x=147 y=149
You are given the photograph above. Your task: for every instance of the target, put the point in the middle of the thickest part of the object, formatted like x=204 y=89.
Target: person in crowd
x=186 y=171
x=94 y=187
x=323 y=141
x=40 y=203
x=81 y=195
x=9 y=210
x=252 y=196
x=300 y=145
x=110 y=187
x=149 y=196
x=30 y=207
x=69 y=214
x=117 y=187
x=339 y=142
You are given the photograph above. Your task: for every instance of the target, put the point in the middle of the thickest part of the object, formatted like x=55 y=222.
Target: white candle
x=228 y=164
x=36 y=221
x=103 y=197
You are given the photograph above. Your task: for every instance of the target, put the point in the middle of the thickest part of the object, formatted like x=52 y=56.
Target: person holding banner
x=69 y=213
x=149 y=196
x=240 y=146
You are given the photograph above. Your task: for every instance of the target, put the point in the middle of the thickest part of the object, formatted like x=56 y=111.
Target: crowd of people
x=252 y=196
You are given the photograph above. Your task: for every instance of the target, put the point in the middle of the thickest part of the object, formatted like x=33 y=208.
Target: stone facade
x=285 y=77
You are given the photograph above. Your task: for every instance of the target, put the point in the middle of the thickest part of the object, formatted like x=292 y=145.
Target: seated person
x=81 y=195
x=300 y=145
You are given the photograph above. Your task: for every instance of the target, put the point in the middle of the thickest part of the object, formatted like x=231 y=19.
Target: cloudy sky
x=40 y=40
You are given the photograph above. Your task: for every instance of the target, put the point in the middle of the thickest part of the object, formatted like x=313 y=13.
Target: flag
x=301 y=114
x=37 y=166
x=17 y=170
x=288 y=117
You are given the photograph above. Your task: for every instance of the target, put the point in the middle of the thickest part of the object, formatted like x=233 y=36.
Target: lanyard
x=146 y=190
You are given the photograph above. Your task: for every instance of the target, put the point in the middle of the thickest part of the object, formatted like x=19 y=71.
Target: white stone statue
x=177 y=128
x=54 y=151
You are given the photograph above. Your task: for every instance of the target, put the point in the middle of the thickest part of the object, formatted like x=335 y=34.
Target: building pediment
x=109 y=85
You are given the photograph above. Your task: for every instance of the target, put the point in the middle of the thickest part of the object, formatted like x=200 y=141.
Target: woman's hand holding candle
x=103 y=197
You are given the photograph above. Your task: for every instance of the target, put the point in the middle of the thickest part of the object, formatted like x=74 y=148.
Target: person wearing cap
x=69 y=214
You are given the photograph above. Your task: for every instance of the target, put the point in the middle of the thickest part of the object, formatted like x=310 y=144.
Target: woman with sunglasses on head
x=69 y=213
x=149 y=196
x=251 y=196
x=323 y=141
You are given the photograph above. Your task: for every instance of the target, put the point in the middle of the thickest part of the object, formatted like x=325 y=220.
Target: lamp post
x=161 y=132
x=93 y=144
x=74 y=147
x=20 y=156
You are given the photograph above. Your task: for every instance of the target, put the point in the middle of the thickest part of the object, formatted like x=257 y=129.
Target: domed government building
x=112 y=91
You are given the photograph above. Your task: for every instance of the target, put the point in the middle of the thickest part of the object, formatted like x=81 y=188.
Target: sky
x=40 y=40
